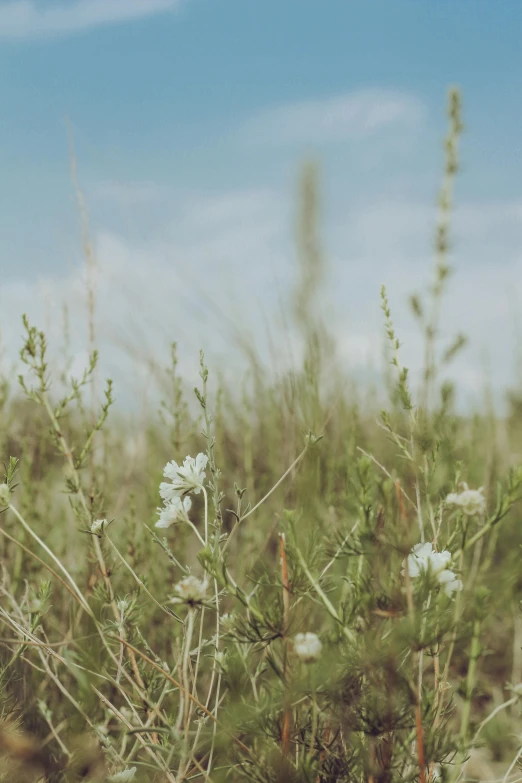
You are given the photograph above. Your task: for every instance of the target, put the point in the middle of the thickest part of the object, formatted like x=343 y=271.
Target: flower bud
x=98 y=527
x=5 y=495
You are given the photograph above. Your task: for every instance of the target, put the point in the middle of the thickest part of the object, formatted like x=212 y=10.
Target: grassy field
x=320 y=591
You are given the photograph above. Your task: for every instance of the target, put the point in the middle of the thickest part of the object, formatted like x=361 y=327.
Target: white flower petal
x=171 y=470
x=453 y=586
x=175 y=510
x=439 y=560
x=186 y=478
x=422 y=550
x=423 y=559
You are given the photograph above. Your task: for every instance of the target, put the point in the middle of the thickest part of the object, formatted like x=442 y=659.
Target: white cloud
x=354 y=115
x=392 y=243
x=206 y=281
x=219 y=272
x=22 y=19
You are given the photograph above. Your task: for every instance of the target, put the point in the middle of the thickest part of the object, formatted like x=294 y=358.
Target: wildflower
x=471 y=501
x=98 y=527
x=123 y=777
x=175 y=510
x=423 y=558
x=227 y=621
x=5 y=495
x=185 y=478
x=190 y=590
x=307 y=646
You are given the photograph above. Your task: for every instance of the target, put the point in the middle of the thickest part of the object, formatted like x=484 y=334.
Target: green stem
x=322 y=595
x=474 y=656
x=470 y=680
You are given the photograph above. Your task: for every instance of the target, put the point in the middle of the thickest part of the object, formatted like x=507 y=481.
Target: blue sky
x=190 y=121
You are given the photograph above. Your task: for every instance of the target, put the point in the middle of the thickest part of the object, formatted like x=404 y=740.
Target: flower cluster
x=470 y=501
x=190 y=591
x=424 y=559
x=307 y=647
x=227 y=621
x=184 y=479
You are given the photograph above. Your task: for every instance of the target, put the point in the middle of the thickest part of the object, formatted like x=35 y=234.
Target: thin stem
x=324 y=598
x=171 y=679
x=53 y=557
x=287 y=713
x=136 y=577
x=470 y=684
x=259 y=503
x=206 y=515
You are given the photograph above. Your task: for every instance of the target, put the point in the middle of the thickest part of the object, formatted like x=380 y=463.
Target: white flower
x=98 y=527
x=423 y=558
x=185 y=478
x=307 y=646
x=175 y=510
x=471 y=501
x=5 y=495
x=124 y=776
x=190 y=590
